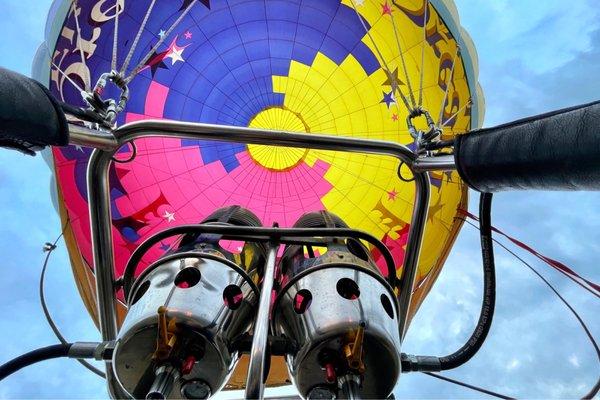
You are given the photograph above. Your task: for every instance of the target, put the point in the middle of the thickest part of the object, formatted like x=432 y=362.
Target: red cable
x=591 y=287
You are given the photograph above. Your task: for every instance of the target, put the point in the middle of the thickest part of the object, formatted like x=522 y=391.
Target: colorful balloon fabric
x=344 y=68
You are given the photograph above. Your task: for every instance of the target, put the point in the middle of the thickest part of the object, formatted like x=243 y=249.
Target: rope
x=87 y=84
x=423 y=52
x=141 y=64
x=385 y=65
x=448 y=82
x=115 y=37
x=137 y=39
x=468 y=103
x=410 y=91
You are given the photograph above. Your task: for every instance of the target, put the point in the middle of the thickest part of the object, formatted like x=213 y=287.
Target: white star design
x=359 y=2
x=162 y=33
x=176 y=54
x=169 y=216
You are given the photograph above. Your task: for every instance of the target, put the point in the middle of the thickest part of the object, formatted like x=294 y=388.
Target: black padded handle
x=30 y=117
x=559 y=150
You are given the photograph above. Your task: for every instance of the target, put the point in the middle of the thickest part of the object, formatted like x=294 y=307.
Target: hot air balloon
x=257 y=193
x=350 y=68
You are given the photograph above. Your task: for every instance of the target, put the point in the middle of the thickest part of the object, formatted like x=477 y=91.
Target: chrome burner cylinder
x=206 y=303
x=184 y=313
x=342 y=314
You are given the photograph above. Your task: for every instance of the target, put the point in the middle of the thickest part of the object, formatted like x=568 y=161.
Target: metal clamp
x=108 y=109
x=418 y=135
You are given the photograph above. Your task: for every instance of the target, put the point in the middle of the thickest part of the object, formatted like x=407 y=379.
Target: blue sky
x=534 y=57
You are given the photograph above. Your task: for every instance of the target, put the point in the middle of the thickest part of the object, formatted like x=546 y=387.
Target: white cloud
x=574 y=360
x=513 y=364
x=545 y=35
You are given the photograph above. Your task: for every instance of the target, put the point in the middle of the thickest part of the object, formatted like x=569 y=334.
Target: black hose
x=472 y=346
x=83 y=114
x=594 y=390
x=441 y=144
x=35 y=356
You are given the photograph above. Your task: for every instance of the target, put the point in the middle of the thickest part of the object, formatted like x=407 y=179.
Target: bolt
x=321 y=393
x=195 y=389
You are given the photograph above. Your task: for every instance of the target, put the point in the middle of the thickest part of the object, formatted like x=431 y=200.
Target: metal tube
x=413 y=249
x=162 y=386
x=437 y=163
x=82 y=136
x=100 y=223
x=81 y=350
x=349 y=387
x=245 y=233
x=102 y=247
x=255 y=384
x=236 y=134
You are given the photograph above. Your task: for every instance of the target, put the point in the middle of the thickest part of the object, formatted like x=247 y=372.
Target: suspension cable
x=469 y=386
x=586 y=284
x=49 y=248
x=594 y=390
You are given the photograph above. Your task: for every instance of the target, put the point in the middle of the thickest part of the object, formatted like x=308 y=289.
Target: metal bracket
x=422 y=137
x=108 y=109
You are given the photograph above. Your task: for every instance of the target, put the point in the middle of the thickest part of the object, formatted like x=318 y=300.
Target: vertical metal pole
x=101 y=233
x=413 y=248
x=255 y=383
x=102 y=247
x=349 y=386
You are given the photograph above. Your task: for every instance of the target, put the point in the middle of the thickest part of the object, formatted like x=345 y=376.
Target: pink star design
x=394 y=117
x=392 y=195
x=386 y=9
x=188 y=35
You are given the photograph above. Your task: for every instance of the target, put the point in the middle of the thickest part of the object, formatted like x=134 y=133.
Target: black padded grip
x=559 y=150
x=30 y=117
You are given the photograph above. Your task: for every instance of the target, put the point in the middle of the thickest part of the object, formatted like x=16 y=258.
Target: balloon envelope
x=338 y=67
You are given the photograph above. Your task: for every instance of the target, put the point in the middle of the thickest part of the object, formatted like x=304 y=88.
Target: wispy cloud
x=534 y=56
x=23 y=25
x=547 y=35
